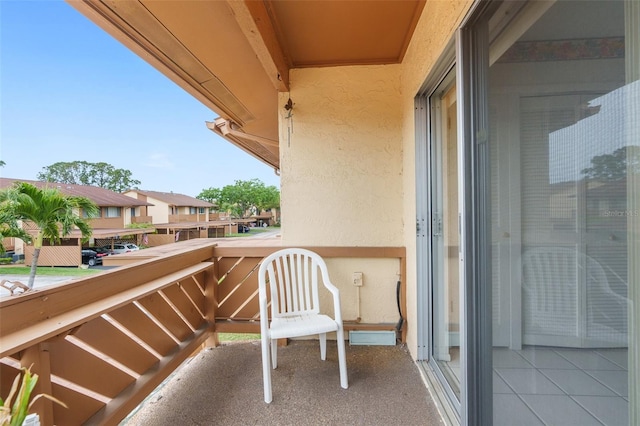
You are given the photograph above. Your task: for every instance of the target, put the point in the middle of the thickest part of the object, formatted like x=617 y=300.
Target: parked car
x=91 y=257
x=101 y=251
x=121 y=248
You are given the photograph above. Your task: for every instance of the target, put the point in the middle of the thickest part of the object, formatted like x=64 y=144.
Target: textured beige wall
x=347 y=160
x=341 y=176
x=341 y=167
x=377 y=302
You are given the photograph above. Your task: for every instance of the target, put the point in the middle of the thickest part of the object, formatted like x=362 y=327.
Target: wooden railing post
x=37 y=357
x=211 y=300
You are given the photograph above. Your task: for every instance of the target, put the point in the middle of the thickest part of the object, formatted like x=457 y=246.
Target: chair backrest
x=291 y=277
x=556 y=272
x=567 y=293
x=550 y=279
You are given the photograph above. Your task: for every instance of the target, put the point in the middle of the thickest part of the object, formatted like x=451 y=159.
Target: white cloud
x=159 y=160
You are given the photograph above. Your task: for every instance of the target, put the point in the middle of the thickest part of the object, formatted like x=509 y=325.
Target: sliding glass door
x=445 y=305
x=534 y=215
x=561 y=102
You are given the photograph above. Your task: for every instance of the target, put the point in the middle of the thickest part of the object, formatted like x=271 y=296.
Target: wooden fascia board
x=255 y=22
x=252 y=148
x=256 y=150
x=100 y=13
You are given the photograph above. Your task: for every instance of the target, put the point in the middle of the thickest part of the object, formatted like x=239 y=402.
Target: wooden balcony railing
x=237 y=293
x=141 y=219
x=102 y=344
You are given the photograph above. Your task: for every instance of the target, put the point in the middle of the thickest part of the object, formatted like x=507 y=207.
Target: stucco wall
x=348 y=163
x=341 y=176
x=341 y=167
x=159 y=211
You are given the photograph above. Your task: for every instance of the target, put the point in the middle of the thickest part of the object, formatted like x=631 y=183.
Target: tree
x=267 y=198
x=103 y=175
x=614 y=166
x=10 y=227
x=53 y=213
x=242 y=197
x=212 y=195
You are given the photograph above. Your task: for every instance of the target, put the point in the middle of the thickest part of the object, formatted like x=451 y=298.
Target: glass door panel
x=445 y=236
x=563 y=98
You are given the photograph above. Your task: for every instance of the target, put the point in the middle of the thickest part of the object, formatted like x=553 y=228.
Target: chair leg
x=323 y=346
x=274 y=353
x=342 y=359
x=266 y=370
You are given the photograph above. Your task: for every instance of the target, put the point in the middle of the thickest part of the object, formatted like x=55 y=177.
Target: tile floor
x=560 y=386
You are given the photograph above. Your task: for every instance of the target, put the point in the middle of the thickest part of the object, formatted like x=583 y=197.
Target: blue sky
x=71 y=92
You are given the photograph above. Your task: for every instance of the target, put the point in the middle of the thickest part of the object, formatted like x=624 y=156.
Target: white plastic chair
x=568 y=300
x=292 y=278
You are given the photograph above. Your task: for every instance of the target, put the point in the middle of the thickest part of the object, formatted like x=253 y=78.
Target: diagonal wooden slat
x=80 y=406
x=134 y=320
x=194 y=288
x=85 y=369
x=238 y=286
x=106 y=338
x=166 y=315
x=179 y=299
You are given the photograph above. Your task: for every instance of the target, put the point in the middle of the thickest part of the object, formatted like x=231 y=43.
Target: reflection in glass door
x=444 y=234
x=564 y=147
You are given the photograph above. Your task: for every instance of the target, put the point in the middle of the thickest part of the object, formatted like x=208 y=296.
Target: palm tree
x=54 y=214
x=9 y=227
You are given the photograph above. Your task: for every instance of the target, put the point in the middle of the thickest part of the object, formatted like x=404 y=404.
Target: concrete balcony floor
x=223 y=386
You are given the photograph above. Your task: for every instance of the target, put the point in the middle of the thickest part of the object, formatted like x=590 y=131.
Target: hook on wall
x=289 y=108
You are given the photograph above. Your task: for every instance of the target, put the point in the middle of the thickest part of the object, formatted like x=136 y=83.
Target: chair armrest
x=337 y=310
x=264 y=316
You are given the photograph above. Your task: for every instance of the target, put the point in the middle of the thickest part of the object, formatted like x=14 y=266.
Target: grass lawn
x=236 y=337
x=252 y=231
x=48 y=271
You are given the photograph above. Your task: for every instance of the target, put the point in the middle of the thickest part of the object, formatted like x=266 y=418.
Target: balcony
x=183 y=217
x=141 y=219
x=103 y=344
x=223 y=386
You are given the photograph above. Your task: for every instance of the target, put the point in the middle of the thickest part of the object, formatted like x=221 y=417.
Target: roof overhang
x=234 y=56
x=105 y=232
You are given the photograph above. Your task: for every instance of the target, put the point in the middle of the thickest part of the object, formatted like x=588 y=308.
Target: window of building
x=112 y=211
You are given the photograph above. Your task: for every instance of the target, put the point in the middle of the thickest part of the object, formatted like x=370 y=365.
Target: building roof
x=174 y=199
x=100 y=196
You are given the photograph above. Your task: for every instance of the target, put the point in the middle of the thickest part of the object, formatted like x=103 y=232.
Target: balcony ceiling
x=235 y=56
